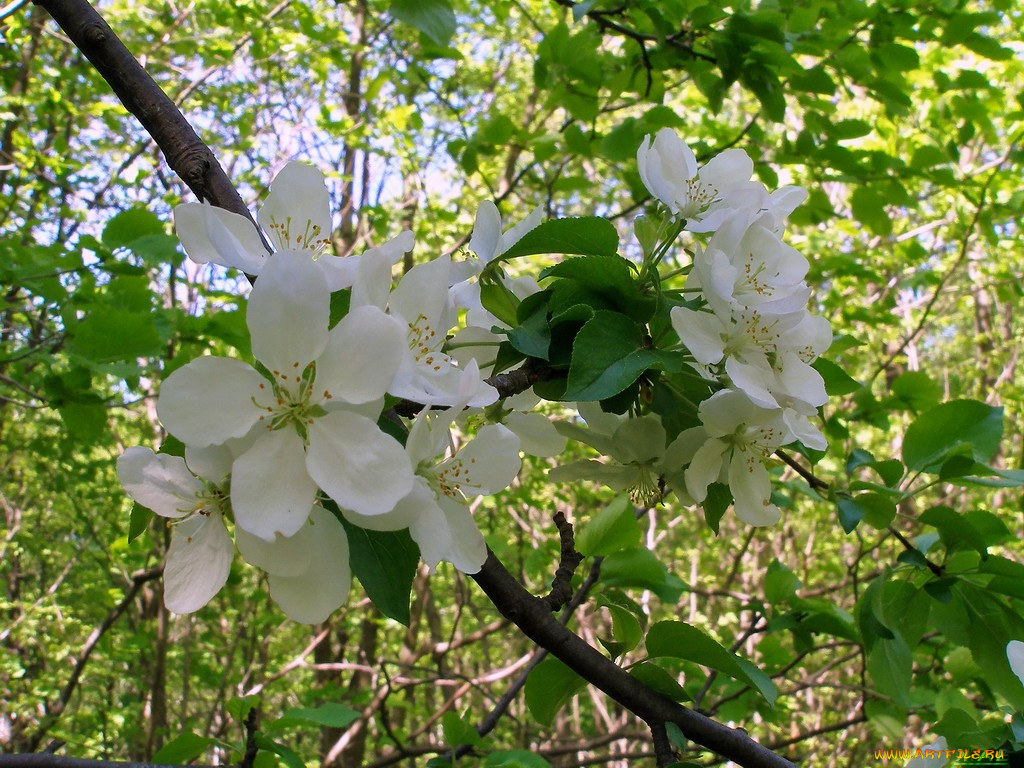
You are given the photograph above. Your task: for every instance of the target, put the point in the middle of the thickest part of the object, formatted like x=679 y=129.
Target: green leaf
x=588 y=235
x=780 y=583
x=659 y=681
x=609 y=354
x=837 y=381
x=715 y=505
x=890 y=665
x=679 y=640
x=850 y=514
x=385 y=563
x=288 y=756
x=182 y=749
x=611 y=278
x=532 y=337
x=626 y=631
x=458 y=731
x=434 y=18
x=109 y=334
x=549 y=687
x=869 y=208
x=129 y=226
x=328 y=715
x=642 y=569
x=613 y=528
x=916 y=390
x=138 y=521
x=965 y=426
x=956 y=531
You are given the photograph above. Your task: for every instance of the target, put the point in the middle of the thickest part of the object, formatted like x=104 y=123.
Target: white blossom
x=668 y=168
x=313 y=422
x=199 y=558
x=741 y=437
x=295 y=217
x=309 y=576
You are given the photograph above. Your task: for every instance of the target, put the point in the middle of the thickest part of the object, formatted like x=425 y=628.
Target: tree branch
x=533 y=617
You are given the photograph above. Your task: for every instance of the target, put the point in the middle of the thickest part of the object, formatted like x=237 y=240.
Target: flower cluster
x=746 y=323
x=267 y=442
x=284 y=452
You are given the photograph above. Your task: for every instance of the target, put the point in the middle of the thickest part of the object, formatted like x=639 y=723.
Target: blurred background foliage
x=904 y=121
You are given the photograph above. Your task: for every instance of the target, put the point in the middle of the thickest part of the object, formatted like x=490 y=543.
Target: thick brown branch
x=532 y=616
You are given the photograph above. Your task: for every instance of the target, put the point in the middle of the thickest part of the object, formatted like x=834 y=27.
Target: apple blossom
x=295 y=216
x=199 y=558
x=309 y=576
x=640 y=462
x=668 y=168
x=741 y=436
x=312 y=422
x=447 y=479
x=421 y=304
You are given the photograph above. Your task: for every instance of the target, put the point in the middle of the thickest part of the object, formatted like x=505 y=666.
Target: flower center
x=309 y=238
x=450 y=476
x=293 y=400
x=647 y=490
x=425 y=345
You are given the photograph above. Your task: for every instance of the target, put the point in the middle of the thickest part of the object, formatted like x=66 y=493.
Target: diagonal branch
x=533 y=616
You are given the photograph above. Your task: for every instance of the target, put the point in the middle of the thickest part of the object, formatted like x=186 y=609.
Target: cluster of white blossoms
x=748 y=328
x=273 y=446
x=265 y=444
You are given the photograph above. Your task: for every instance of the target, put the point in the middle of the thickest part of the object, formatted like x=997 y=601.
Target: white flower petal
x=289 y=309
x=210 y=234
x=486 y=232
x=356 y=464
x=405 y=513
x=271 y=491
x=372 y=285
x=804 y=430
x=421 y=298
x=314 y=595
x=753 y=376
x=701 y=332
x=800 y=381
x=162 y=483
x=537 y=435
x=705 y=468
x=362 y=355
x=212 y=462
x=752 y=489
x=198 y=563
x=933 y=760
x=296 y=215
x=468 y=549
x=1015 y=656
x=284 y=556
x=431 y=533
x=486 y=464
x=726 y=170
x=210 y=400
x=515 y=233
x=639 y=440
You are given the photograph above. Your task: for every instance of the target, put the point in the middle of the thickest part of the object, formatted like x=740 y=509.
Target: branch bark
x=533 y=616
